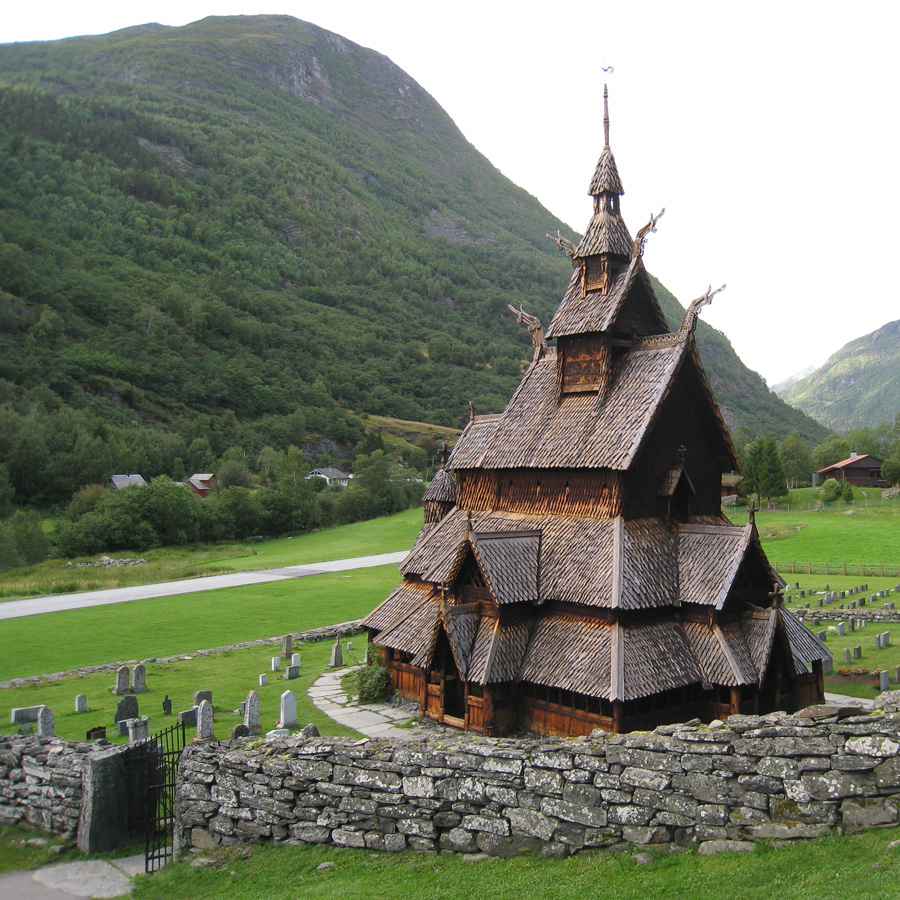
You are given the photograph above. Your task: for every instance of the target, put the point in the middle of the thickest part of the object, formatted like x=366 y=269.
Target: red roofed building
x=861 y=469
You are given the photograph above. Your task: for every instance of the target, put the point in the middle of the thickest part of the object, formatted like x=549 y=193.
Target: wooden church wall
x=589 y=493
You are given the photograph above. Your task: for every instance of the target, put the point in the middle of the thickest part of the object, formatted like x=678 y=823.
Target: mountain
x=857 y=386
x=782 y=387
x=235 y=232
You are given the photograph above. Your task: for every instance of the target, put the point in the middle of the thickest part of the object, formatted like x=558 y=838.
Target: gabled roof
x=863 y=459
x=708 y=561
x=596 y=311
x=606 y=175
x=510 y=562
x=329 y=472
x=606 y=233
x=538 y=430
x=123 y=481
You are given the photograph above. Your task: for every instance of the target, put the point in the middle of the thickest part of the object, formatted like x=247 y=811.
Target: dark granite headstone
x=127 y=708
x=240 y=730
x=167 y=706
x=96 y=734
x=188 y=716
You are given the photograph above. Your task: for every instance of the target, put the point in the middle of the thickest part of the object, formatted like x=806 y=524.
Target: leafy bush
x=847 y=493
x=831 y=488
x=22 y=540
x=374 y=684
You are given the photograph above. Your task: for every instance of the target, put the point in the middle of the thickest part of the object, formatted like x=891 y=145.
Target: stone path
x=371 y=719
x=95 y=878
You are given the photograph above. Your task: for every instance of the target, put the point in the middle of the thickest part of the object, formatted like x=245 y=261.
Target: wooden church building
x=575 y=569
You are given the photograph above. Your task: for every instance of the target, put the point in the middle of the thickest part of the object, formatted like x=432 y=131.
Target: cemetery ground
x=56 y=576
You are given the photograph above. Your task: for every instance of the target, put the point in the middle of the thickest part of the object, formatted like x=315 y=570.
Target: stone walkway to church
x=371 y=719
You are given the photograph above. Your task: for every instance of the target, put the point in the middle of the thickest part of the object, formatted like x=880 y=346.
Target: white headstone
x=263 y=679
x=295 y=659
x=276 y=663
x=80 y=703
x=288 y=718
x=251 y=712
x=291 y=672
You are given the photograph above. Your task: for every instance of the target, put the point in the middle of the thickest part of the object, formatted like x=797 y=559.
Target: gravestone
x=852 y=604
x=276 y=664
x=127 y=708
x=853 y=624
x=122 y=727
x=349 y=646
x=821 y=601
x=862 y=602
x=200 y=696
x=295 y=659
x=291 y=672
x=188 y=716
x=167 y=706
x=896 y=674
x=123 y=681
x=847 y=655
x=816 y=621
x=827 y=665
x=251 y=713
x=884 y=681
x=240 y=731
x=877 y=641
x=337 y=656
x=885 y=639
x=857 y=652
x=841 y=629
x=822 y=636
x=138 y=729
x=288 y=717
x=889 y=605
x=139 y=679
x=80 y=703
x=20 y=715
x=263 y=679
x=96 y=734
x=205 y=722
x=45 y=726
x=287 y=646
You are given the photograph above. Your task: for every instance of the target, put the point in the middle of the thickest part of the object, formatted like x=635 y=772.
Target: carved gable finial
x=533 y=323
x=637 y=248
x=691 y=313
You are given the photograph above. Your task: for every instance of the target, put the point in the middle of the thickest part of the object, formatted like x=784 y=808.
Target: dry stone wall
x=41 y=782
x=773 y=777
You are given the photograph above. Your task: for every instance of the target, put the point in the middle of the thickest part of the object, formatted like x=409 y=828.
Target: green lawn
x=229 y=675
x=164 y=626
x=859 y=867
x=384 y=535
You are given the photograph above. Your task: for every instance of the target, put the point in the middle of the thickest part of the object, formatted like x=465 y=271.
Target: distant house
x=117 y=482
x=863 y=470
x=330 y=476
x=202 y=484
x=730 y=482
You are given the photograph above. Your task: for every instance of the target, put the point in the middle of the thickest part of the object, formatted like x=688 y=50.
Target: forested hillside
x=859 y=386
x=250 y=232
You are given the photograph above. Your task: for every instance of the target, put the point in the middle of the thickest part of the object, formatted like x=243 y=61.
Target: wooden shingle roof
x=442 y=487
x=606 y=175
x=537 y=430
x=708 y=560
x=510 y=562
x=606 y=233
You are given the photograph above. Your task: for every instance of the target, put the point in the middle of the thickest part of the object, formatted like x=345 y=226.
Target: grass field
x=858 y=867
x=165 y=626
x=229 y=675
x=55 y=576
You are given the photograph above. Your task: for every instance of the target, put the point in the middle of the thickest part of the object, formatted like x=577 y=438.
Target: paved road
x=35 y=606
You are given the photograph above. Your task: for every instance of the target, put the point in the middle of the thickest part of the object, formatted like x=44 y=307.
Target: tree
x=847 y=492
x=764 y=471
x=22 y=540
x=890 y=470
x=797 y=460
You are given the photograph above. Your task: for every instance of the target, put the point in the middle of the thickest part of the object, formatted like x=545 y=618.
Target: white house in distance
x=330 y=476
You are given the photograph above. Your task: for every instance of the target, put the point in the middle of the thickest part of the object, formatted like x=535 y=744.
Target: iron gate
x=152 y=767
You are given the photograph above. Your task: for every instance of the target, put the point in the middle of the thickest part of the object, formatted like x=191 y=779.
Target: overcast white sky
x=767 y=130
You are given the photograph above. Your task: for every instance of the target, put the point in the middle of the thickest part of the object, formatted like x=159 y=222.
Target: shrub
x=831 y=488
x=374 y=684
x=847 y=493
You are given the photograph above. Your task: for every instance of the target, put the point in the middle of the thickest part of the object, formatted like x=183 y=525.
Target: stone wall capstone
x=752 y=777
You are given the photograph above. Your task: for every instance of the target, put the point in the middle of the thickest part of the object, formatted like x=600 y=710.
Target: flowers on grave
x=845 y=671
